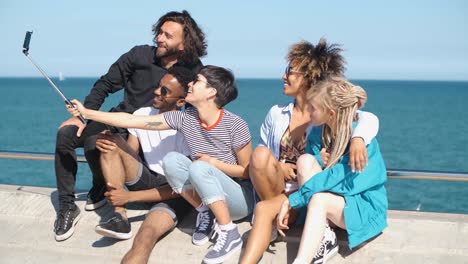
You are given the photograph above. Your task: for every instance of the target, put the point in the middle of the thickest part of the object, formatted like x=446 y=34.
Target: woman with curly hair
x=283 y=134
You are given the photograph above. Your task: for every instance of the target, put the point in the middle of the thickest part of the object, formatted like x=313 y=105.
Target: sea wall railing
x=33 y=155
x=391 y=173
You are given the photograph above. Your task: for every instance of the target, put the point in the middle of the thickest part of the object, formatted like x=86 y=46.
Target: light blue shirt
x=278 y=118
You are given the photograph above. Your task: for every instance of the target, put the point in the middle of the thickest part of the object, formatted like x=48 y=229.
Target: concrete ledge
x=27 y=216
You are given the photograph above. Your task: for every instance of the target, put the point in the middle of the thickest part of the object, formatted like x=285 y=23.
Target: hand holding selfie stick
x=27 y=39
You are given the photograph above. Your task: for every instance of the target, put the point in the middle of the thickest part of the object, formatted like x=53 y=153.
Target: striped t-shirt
x=219 y=141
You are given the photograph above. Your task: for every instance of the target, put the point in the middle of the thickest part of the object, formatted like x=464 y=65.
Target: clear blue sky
x=399 y=39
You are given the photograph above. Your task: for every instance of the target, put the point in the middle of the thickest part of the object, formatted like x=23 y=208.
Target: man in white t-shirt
x=121 y=165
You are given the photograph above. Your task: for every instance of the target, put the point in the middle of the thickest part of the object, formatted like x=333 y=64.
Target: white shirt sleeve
x=139 y=111
x=132 y=131
x=367 y=126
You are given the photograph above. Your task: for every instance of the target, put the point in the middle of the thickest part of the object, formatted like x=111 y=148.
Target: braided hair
x=344 y=98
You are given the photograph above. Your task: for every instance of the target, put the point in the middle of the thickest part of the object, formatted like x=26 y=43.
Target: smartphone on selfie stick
x=27 y=39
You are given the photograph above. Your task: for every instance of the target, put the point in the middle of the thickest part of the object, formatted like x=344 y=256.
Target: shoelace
x=114 y=219
x=330 y=234
x=222 y=237
x=321 y=250
x=328 y=238
x=203 y=220
x=62 y=220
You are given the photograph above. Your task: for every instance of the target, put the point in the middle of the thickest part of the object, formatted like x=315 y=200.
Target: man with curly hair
x=179 y=41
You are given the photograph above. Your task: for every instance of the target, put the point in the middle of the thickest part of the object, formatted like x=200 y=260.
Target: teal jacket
x=366 y=205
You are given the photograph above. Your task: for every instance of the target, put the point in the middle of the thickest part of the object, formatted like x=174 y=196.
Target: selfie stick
x=27 y=39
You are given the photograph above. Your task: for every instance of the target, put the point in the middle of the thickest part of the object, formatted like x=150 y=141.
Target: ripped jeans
x=210 y=183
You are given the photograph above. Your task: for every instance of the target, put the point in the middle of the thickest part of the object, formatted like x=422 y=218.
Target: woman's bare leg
x=322 y=206
x=265 y=173
x=259 y=238
x=307 y=167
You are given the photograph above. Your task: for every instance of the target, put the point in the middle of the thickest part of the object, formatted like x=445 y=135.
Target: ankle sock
x=202 y=208
x=227 y=227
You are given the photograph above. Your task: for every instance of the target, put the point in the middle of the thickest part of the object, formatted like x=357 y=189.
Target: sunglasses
x=165 y=91
x=289 y=70
x=198 y=80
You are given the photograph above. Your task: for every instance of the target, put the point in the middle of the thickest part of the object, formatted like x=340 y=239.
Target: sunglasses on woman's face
x=289 y=70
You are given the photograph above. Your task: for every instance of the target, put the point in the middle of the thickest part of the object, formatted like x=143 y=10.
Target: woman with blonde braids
x=356 y=202
x=283 y=135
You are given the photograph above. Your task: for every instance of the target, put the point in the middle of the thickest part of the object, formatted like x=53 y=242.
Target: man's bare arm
x=119 y=119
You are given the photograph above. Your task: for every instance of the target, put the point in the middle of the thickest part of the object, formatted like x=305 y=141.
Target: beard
x=166 y=52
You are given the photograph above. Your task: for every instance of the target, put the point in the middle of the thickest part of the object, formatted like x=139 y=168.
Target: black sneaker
x=328 y=248
x=117 y=227
x=64 y=225
x=96 y=198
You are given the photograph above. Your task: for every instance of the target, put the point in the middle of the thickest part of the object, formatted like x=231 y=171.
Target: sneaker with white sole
x=96 y=198
x=64 y=225
x=227 y=243
x=117 y=227
x=203 y=227
x=328 y=248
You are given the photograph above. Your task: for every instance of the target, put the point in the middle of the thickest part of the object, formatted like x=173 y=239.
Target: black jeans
x=66 y=165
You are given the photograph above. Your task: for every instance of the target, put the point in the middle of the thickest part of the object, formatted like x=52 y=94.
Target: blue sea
x=423 y=126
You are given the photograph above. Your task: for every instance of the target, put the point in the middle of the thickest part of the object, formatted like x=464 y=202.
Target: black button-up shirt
x=138 y=72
